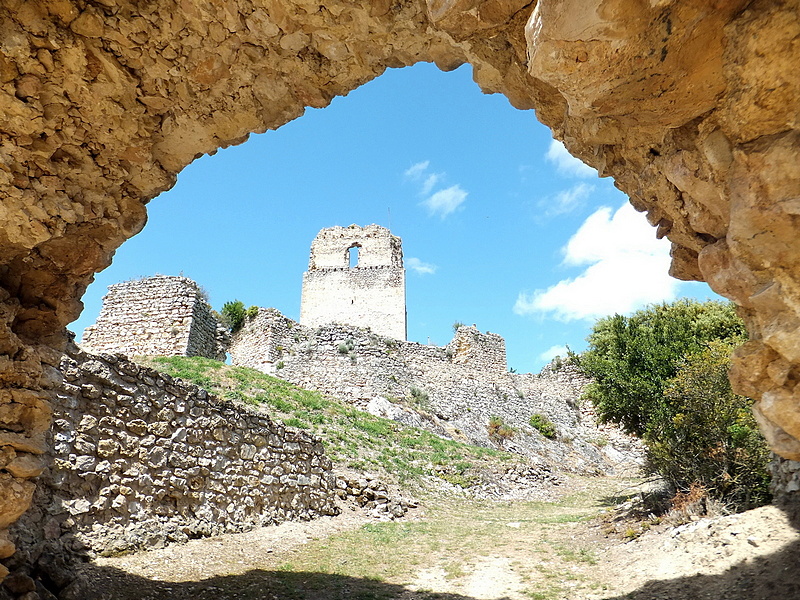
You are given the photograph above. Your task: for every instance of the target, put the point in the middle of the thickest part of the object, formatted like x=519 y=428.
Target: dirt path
x=472 y=550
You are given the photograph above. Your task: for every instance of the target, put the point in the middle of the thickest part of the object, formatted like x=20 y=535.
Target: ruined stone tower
x=356 y=277
x=156 y=316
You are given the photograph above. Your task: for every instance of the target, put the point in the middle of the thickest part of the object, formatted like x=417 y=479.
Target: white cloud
x=552 y=352
x=420 y=267
x=417 y=170
x=626 y=268
x=445 y=201
x=430 y=182
x=565 y=163
x=441 y=202
x=567 y=201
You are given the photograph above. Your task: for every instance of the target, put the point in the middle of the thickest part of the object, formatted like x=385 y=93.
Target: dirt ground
x=457 y=548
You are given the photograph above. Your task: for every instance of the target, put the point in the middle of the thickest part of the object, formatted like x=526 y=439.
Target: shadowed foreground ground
x=457 y=548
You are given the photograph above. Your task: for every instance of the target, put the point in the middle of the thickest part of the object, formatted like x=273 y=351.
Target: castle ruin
x=689 y=106
x=156 y=316
x=356 y=277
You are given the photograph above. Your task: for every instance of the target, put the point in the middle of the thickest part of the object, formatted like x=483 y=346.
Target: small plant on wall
x=543 y=425
x=499 y=430
x=233 y=314
x=419 y=397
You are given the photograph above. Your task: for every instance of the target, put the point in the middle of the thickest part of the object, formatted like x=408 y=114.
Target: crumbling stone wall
x=156 y=316
x=690 y=106
x=370 y=294
x=452 y=390
x=141 y=459
x=481 y=352
x=333 y=358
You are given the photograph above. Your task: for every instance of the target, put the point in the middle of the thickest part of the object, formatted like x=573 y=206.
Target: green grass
x=453 y=537
x=351 y=437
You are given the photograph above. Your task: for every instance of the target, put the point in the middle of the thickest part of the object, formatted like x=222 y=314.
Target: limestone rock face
x=690 y=106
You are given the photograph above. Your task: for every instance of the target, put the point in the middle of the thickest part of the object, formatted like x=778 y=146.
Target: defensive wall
x=141 y=459
x=153 y=316
x=452 y=390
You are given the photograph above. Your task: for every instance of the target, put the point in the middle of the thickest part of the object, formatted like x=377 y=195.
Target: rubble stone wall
x=371 y=293
x=141 y=459
x=785 y=482
x=452 y=390
x=358 y=364
x=482 y=352
x=156 y=316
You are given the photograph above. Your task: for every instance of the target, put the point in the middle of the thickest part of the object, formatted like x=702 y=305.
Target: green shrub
x=346 y=347
x=662 y=374
x=543 y=425
x=252 y=312
x=420 y=398
x=457 y=325
x=280 y=364
x=708 y=437
x=632 y=358
x=233 y=314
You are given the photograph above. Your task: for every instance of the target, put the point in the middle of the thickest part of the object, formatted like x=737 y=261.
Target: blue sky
x=501 y=227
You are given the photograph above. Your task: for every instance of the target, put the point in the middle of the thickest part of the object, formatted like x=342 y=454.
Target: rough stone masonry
x=452 y=390
x=370 y=292
x=141 y=459
x=156 y=316
x=690 y=106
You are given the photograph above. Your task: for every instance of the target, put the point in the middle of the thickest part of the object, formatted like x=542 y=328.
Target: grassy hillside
x=352 y=438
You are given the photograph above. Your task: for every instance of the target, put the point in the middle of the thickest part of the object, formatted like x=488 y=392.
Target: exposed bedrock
x=690 y=105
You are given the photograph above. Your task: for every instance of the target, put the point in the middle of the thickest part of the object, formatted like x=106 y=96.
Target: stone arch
x=103 y=103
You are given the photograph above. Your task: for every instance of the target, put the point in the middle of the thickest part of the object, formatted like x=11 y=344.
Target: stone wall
x=141 y=459
x=371 y=293
x=156 y=316
x=452 y=390
x=481 y=352
x=785 y=482
x=357 y=364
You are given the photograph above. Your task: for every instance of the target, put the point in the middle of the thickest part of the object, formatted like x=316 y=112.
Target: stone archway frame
x=690 y=106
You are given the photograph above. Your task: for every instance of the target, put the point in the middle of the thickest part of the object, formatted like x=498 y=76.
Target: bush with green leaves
x=233 y=314
x=662 y=374
x=543 y=425
x=707 y=435
x=420 y=398
x=631 y=358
